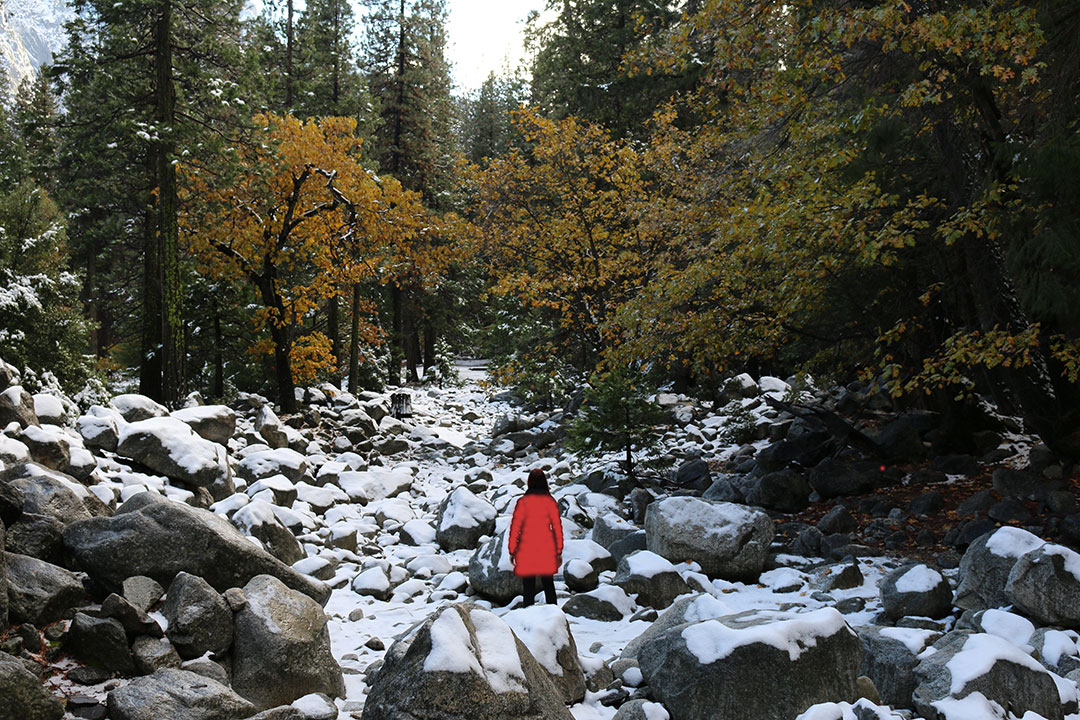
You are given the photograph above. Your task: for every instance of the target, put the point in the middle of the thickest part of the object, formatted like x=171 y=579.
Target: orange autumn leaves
x=297 y=216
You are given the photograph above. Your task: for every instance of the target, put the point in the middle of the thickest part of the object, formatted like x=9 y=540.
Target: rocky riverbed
x=812 y=554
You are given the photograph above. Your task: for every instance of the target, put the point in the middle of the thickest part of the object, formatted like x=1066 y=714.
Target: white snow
x=465 y=510
x=975 y=706
x=544 y=630
x=1070 y=557
x=1010 y=542
x=191 y=453
x=132 y=402
x=645 y=563
x=1056 y=645
x=711 y=640
x=46 y=405
x=919 y=579
x=860 y=710
x=979 y=654
x=718 y=520
x=494 y=655
x=914 y=639
x=1008 y=626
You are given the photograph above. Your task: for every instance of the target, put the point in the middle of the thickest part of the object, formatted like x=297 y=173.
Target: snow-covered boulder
x=266 y=463
x=684 y=610
x=373 y=582
x=651 y=577
x=861 y=709
x=375 y=484
x=984 y=569
x=607 y=603
x=270 y=427
x=216 y=423
x=134 y=407
x=359 y=423
x=546 y=632
x=159 y=538
x=890 y=657
x=583 y=561
x=728 y=541
x=281 y=646
x=609 y=528
x=764 y=665
x=964 y=664
x=915 y=589
x=17 y=405
x=23 y=693
x=50 y=409
x=320 y=499
x=462 y=663
x=1044 y=584
x=641 y=710
x=100 y=427
x=51 y=493
x=276 y=489
x=491 y=571
x=199 y=619
x=39 y=592
x=175 y=693
x=462 y=519
x=170 y=447
x=12 y=451
x=48 y=446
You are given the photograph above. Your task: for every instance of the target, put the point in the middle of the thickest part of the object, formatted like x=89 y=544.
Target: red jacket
x=535 y=539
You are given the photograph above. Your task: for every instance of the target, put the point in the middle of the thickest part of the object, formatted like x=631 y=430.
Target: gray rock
x=317 y=706
x=258 y=520
x=462 y=519
x=100 y=642
x=728 y=541
x=199 y=619
x=546 y=633
x=915 y=589
x=1044 y=585
x=1055 y=650
x=990 y=665
x=833 y=478
x=134 y=407
x=159 y=538
x=583 y=561
x=984 y=569
x=11 y=501
x=48 y=492
x=607 y=604
x=152 y=654
x=890 y=662
x=179 y=694
x=135 y=621
x=24 y=696
x=39 y=592
x=837 y=520
x=694 y=475
x=39 y=536
x=271 y=428
x=638 y=710
x=284 y=712
x=170 y=447
x=491 y=572
x=17 y=405
x=683 y=610
x=901 y=442
x=785 y=490
x=651 y=577
x=3 y=580
x=722 y=669
x=267 y=463
x=142 y=592
x=216 y=423
x=207 y=668
x=281 y=646
x=100 y=428
x=412 y=681
x=47 y=447
x=627 y=544
x=609 y=528
x=723 y=489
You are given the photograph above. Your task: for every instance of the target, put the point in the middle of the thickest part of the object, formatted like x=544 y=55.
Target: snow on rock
x=1044 y=584
x=652 y=578
x=861 y=710
x=170 y=447
x=134 y=407
x=1008 y=626
x=374 y=484
x=265 y=463
x=985 y=567
x=462 y=662
x=216 y=423
x=100 y=427
x=916 y=589
x=546 y=632
x=463 y=518
x=16 y=405
x=728 y=540
x=49 y=409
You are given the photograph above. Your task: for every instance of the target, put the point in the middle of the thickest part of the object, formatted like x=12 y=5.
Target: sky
x=484 y=35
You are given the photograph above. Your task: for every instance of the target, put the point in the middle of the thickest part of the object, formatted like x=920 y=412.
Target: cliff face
x=30 y=32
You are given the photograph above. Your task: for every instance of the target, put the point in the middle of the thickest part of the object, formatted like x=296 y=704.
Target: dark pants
x=529 y=584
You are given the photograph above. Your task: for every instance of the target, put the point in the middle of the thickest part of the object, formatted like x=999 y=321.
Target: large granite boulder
x=170 y=447
x=17 y=405
x=491 y=571
x=462 y=519
x=890 y=657
x=694 y=608
x=545 y=630
x=267 y=463
x=984 y=569
x=258 y=520
x=39 y=592
x=51 y=493
x=764 y=665
x=728 y=541
x=100 y=642
x=24 y=697
x=281 y=646
x=100 y=427
x=1044 y=584
x=3 y=580
x=462 y=663
x=652 y=578
x=48 y=446
x=199 y=619
x=134 y=407
x=179 y=695
x=215 y=423
x=159 y=538
x=964 y=664
x=915 y=589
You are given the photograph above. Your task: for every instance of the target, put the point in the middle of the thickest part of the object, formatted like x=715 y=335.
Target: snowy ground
x=436 y=577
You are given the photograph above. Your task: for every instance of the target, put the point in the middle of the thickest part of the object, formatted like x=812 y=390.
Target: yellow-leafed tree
x=298 y=216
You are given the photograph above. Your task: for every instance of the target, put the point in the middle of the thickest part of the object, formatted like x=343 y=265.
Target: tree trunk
x=219 y=356
x=411 y=342
x=91 y=303
x=151 y=340
x=429 y=346
x=354 y=340
x=399 y=111
x=333 y=327
x=396 y=310
x=281 y=334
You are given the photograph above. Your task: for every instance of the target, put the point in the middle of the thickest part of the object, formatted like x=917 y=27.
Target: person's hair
x=538 y=484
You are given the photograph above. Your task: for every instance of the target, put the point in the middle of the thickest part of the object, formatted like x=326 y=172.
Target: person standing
x=536 y=541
